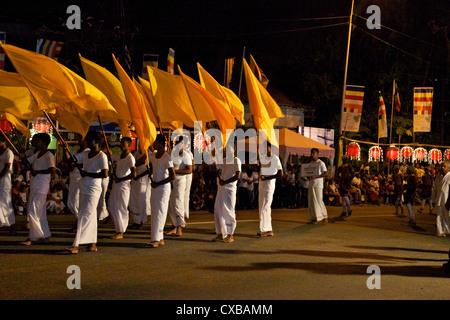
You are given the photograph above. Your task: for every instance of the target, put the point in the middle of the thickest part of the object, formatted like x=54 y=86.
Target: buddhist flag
x=49 y=48
x=382 y=120
x=396 y=97
x=258 y=72
x=423 y=104
x=229 y=63
x=352 y=110
x=111 y=87
x=2 y=53
x=145 y=129
x=227 y=97
x=149 y=60
x=263 y=108
x=171 y=61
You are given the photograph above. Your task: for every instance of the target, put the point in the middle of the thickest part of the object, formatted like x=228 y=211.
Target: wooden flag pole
x=14 y=148
x=242 y=71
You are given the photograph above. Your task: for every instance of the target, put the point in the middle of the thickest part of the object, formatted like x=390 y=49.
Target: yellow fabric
x=207 y=106
x=145 y=129
x=16 y=123
x=263 y=108
x=111 y=87
x=258 y=72
x=170 y=97
x=226 y=97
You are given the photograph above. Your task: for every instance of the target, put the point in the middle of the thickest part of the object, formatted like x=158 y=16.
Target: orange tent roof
x=295 y=143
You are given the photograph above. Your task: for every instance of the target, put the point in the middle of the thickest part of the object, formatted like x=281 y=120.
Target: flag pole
x=341 y=132
x=242 y=70
x=14 y=147
x=392 y=117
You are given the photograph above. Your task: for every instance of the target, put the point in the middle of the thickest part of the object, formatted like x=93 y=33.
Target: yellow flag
x=263 y=108
x=16 y=123
x=54 y=85
x=227 y=97
x=207 y=107
x=258 y=72
x=145 y=129
x=17 y=100
x=111 y=87
x=170 y=97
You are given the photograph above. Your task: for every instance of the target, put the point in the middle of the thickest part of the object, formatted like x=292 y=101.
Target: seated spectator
x=55 y=203
x=333 y=193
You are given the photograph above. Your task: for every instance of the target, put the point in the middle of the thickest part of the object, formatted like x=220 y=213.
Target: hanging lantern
x=375 y=154
x=5 y=125
x=133 y=141
x=447 y=154
x=434 y=156
x=392 y=153
x=41 y=124
x=353 y=150
x=420 y=154
x=406 y=153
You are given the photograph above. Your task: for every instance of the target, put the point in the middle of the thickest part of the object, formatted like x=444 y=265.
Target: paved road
x=301 y=261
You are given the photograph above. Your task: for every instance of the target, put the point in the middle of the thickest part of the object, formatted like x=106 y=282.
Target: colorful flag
x=396 y=97
x=149 y=60
x=2 y=53
x=382 y=120
x=227 y=97
x=258 y=72
x=423 y=104
x=229 y=63
x=171 y=61
x=49 y=48
x=352 y=110
x=263 y=108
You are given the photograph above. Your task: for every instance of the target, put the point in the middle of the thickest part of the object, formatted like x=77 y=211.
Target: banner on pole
x=423 y=105
x=352 y=110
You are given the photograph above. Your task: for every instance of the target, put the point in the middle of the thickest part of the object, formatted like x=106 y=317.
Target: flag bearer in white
x=161 y=168
x=442 y=218
x=7 y=218
x=271 y=169
x=140 y=191
x=183 y=166
x=120 y=194
x=187 y=193
x=43 y=166
x=229 y=173
x=317 y=212
x=95 y=168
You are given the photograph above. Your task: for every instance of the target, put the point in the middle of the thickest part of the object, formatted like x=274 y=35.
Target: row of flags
x=353 y=104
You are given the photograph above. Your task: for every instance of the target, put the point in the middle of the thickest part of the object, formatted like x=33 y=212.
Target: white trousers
x=187 y=195
x=87 y=219
x=443 y=221
x=139 y=202
x=37 y=216
x=265 y=197
x=177 y=201
x=73 y=198
x=316 y=207
x=102 y=209
x=159 y=205
x=224 y=211
x=118 y=205
x=7 y=217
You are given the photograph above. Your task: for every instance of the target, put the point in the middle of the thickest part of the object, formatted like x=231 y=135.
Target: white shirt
x=124 y=165
x=243 y=180
x=95 y=164
x=6 y=157
x=75 y=174
x=160 y=166
x=270 y=165
x=228 y=171
x=443 y=195
x=318 y=183
x=181 y=163
x=41 y=182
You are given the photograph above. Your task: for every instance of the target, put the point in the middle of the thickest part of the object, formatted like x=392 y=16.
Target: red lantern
x=5 y=125
x=41 y=124
x=133 y=141
x=435 y=155
x=407 y=152
x=420 y=153
x=375 y=153
x=353 y=149
x=447 y=154
x=392 y=153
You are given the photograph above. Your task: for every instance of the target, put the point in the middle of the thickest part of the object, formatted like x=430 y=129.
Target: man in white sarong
x=442 y=219
x=177 y=204
x=317 y=212
x=161 y=168
x=102 y=208
x=229 y=173
x=73 y=198
x=120 y=194
x=95 y=168
x=7 y=218
x=140 y=191
x=187 y=194
x=43 y=166
x=271 y=169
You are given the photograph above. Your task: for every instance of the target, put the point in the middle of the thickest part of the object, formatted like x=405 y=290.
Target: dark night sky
x=307 y=65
